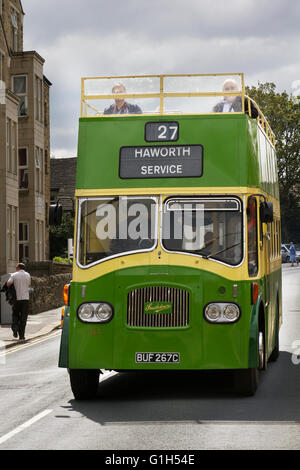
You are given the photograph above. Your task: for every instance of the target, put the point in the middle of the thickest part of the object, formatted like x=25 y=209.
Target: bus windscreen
x=111 y=227
x=211 y=228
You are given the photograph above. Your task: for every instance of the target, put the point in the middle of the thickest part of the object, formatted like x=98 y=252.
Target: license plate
x=148 y=357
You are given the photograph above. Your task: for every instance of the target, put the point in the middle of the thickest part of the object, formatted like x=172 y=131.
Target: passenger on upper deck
x=233 y=103
x=121 y=106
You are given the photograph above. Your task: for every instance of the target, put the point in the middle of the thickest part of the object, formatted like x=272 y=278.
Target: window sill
x=12 y=176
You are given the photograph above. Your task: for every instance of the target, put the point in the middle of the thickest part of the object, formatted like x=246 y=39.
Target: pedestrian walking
x=292 y=253
x=21 y=281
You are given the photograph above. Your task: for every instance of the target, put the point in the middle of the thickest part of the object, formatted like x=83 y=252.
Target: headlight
x=104 y=312
x=222 y=312
x=95 y=312
x=213 y=312
x=231 y=312
x=85 y=312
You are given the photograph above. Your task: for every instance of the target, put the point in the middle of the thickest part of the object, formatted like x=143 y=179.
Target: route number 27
x=162 y=131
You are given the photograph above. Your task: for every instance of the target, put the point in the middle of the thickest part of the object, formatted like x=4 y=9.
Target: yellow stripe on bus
x=163 y=259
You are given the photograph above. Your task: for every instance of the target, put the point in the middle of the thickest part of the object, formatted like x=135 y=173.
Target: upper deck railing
x=169 y=95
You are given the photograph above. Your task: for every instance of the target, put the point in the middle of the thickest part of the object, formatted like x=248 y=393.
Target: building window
x=47 y=214
x=23 y=168
x=14 y=233
x=39 y=240
x=8 y=146
x=23 y=241
x=14 y=147
x=54 y=195
x=38 y=99
x=11 y=238
x=38 y=170
x=20 y=89
x=2 y=57
x=8 y=231
x=14 y=30
x=11 y=146
x=46 y=114
x=46 y=162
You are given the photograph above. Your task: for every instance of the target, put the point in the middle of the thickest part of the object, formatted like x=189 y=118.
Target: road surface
x=185 y=411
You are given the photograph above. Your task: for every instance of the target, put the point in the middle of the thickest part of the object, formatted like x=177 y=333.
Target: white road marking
x=24 y=425
x=19 y=347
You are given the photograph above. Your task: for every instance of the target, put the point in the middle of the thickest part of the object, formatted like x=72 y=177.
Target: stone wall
x=47 y=268
x=48 y=292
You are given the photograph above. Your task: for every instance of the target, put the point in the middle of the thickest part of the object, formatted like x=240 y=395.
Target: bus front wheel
x=84 y=383
x=246 y=380
x=275 y=353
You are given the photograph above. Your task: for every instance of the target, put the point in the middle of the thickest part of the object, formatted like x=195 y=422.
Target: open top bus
x=177 y=261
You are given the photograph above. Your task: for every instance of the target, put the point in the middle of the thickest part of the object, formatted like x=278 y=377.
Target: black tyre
x=246 y=380
x=84 y=383
x=275 y=353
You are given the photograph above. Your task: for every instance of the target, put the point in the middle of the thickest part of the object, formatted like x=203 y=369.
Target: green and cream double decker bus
x=177 y=260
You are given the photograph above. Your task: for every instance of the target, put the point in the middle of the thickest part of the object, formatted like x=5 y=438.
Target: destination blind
x=161 y=161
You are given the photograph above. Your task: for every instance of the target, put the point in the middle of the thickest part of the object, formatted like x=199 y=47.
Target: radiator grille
x=178 y=297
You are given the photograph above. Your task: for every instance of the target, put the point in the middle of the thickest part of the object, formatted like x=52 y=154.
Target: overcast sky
x=126 y=37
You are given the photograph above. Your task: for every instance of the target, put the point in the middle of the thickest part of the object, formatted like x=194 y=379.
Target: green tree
x=59 y=235
x=283 y=114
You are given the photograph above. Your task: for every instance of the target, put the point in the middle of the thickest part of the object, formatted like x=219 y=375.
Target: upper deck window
x=164 y=94
x=168 y=95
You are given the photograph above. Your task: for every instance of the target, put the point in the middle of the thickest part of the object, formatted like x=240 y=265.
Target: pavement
x=39 y=324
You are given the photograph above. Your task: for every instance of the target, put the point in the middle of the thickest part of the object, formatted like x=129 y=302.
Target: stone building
x=24 y=145
x=63 y=181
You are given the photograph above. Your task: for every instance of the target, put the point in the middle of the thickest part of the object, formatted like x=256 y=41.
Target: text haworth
x=152 y=152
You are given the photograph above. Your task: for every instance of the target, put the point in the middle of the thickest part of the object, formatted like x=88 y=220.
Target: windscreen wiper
x=221 y=251
x=110 y=201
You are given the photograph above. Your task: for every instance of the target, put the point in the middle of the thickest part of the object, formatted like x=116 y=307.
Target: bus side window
x=252 y=237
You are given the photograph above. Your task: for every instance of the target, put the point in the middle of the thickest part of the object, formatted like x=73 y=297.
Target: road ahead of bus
x=189 y=411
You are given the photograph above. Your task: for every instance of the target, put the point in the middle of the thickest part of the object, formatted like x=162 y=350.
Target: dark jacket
x=237 y=107
x=10 y=293
x=127 y=108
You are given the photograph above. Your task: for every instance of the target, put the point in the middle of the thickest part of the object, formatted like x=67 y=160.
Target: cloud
x=163 y=18
x=97 y=38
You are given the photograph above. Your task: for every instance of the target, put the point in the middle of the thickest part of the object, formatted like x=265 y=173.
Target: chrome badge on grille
x=158 y=307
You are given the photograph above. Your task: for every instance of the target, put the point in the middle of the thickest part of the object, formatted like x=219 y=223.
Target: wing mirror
x=55 y=214
x=266 y=212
